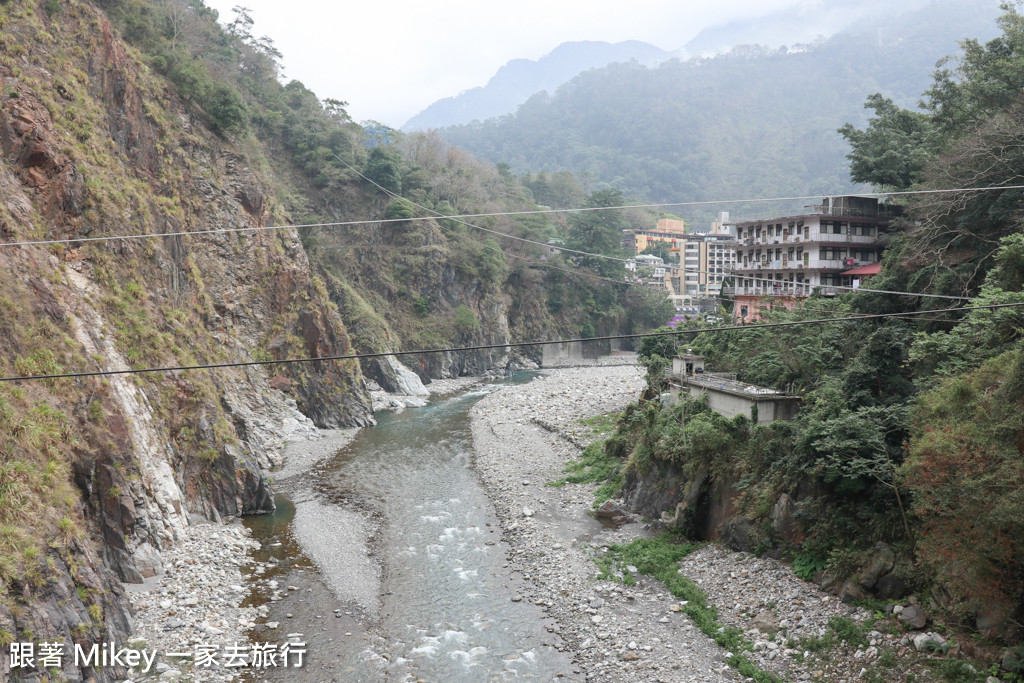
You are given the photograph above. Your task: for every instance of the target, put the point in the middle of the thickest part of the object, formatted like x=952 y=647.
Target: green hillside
x=750 y=123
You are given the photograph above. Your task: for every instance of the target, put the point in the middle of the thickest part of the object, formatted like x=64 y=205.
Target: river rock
x=913 y=617
x=614 y=513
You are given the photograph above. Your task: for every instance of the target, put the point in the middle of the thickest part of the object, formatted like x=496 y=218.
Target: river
x=445 y=606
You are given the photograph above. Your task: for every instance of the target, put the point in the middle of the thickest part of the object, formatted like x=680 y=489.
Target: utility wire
x=180 y=233
x=357 y=356
x=436 y=215
x=459 y=218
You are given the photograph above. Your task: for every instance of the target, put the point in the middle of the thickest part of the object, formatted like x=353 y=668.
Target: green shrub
x=465 y=320
x=807 y=565
x=421 y=305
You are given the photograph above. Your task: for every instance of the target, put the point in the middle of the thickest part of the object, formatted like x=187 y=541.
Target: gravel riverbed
x=523 y=437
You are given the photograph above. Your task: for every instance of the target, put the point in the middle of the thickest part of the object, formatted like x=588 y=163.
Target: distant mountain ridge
x=519 y=79
x=755 y=122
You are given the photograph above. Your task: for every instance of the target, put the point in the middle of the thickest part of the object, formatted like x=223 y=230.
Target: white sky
x=390 y=59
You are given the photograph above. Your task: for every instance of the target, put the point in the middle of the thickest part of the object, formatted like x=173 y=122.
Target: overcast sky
x=392 y=58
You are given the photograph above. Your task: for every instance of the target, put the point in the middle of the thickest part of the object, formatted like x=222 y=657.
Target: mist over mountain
x=756 y=121
x=516 y=81
x=805 y=23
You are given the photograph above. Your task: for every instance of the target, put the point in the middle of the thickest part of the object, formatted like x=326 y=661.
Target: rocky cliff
x=98 y=475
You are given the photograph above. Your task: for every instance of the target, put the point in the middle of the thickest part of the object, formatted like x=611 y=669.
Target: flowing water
x=446 y=610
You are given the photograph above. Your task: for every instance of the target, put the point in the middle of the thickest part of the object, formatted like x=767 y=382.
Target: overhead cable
x=358 y=356
x=529 y=212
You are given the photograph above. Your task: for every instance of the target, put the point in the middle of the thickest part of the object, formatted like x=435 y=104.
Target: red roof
x=869 y=269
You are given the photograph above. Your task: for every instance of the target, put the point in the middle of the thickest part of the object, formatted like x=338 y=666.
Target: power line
x=437 y=215
x=794 y=285
x=685 y=270
x=336 y=224
x=458 y=218
x=358 y=356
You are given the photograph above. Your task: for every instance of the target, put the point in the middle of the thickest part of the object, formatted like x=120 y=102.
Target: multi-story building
x=667 y=230
x=781 y=260
x=705 y=259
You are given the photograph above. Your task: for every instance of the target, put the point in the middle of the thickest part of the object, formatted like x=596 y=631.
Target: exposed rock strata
x=92 y=144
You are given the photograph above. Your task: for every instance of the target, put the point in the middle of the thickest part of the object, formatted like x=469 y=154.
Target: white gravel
x=301 y=456
x=618 y=632
x=195 y=602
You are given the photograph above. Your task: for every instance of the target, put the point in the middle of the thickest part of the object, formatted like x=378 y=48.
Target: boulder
x=765 y=622
x=890 y=587
x=1011 y=661
x=929 y=641
x=882 y=562
x=913 y=617
x=783 y=523
x=738 y=533
x=614 y=513
x=853 y=591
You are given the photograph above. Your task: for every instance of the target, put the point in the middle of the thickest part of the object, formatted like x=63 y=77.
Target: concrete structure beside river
x=727 y=396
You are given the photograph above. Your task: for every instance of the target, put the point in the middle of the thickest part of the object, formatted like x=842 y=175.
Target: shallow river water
x=446 y=608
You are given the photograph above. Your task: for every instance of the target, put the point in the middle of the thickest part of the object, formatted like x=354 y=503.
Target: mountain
x=798 y=24
x=753 y=122
x=515 y=82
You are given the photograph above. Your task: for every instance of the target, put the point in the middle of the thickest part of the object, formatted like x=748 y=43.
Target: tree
x=984 y=81
x=664 y=345
x=661 y=249
x=226 y=109
x=892 y=151
x=599 y=232
x=384 y=167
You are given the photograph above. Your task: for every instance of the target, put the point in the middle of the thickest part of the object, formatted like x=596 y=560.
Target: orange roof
x=869 y=269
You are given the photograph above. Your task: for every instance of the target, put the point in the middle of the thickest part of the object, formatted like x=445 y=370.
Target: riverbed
x=411 y=576
x=432 y=548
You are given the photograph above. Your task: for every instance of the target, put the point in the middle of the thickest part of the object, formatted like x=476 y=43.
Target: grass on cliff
x=659 y=558
x=37 y=500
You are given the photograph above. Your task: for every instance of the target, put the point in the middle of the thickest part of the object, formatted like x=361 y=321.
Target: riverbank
x=523 y=436
x=196 y=603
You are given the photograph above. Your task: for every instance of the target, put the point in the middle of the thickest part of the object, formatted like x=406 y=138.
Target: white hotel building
x=780 y=260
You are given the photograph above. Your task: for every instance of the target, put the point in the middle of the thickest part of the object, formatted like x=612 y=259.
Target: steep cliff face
x=99 y=474
x=411 y=285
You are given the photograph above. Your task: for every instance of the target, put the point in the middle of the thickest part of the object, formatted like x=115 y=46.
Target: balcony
x=795 y=264
x=795 y=289
x=832 y=238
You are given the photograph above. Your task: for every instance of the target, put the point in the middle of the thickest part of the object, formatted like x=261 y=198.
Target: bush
x=465 y=320
x=400 y=209
x=226 y=110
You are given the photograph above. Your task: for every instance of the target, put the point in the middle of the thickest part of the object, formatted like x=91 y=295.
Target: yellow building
x=666 y=230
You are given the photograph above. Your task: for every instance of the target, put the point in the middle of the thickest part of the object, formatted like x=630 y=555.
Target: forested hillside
x=750 y=123
x=905 y=467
